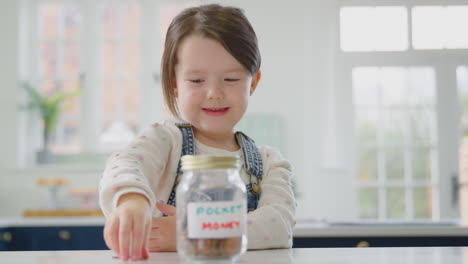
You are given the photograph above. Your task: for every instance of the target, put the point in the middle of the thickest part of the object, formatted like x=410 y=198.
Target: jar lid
x=193 y=162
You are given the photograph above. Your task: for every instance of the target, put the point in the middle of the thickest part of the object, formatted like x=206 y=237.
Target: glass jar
x=211 y=209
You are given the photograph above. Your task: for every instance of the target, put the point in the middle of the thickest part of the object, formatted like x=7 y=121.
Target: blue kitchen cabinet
x=5 y=239
x=57 y=238
x=91 y=238
x=401 y=241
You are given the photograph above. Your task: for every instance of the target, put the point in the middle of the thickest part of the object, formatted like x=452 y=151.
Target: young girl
x=210 y=67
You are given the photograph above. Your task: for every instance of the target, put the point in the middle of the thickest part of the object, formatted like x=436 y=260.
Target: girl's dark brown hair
x=226 y=25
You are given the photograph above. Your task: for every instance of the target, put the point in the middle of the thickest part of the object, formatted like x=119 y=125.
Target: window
x=119 y=74
x=395 y=122
x=440 y=27
x=59 y=67
x=96 y=46
x=403 y=104
x=373 y=28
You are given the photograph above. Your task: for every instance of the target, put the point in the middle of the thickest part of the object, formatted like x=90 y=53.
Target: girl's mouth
x=215 y=111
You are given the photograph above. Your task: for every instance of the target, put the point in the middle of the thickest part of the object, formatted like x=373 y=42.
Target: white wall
x=297 y=45
x=8 y=81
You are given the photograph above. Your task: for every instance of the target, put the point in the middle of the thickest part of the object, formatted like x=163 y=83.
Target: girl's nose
x=215 y=90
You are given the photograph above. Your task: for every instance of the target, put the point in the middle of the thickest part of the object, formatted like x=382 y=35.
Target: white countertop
x=51 y=221
x=299 y=255
x=302 y=229
x=378 y=230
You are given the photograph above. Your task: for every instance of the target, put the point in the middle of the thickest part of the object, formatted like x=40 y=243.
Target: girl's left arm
x=271 y=224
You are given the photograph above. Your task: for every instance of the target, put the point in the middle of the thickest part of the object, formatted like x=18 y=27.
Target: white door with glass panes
x=402 y=69
x=462 y=85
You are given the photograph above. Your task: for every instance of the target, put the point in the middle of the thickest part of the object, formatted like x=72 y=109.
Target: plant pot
x=44 y=156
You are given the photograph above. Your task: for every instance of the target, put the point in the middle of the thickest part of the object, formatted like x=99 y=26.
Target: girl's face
x=211 y=86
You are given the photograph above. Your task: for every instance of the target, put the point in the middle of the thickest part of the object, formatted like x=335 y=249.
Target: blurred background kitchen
x=368 y=99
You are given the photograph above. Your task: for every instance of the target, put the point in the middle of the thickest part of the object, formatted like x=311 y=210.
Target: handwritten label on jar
x=216 y=219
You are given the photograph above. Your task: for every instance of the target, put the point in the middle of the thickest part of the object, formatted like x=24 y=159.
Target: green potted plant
x=49 y=108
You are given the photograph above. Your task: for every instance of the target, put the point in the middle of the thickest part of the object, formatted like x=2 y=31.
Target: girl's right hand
x=127 y=229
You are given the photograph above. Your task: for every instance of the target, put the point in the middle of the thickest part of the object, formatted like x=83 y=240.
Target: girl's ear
x=174 y=86
x=255 y=80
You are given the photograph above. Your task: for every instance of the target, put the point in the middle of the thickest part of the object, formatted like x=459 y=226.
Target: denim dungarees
x=252 y=163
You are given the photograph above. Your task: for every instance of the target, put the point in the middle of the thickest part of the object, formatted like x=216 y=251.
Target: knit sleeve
x=271 y=224
x=137 y=168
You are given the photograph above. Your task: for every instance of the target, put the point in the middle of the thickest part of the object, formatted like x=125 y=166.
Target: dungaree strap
x=252 y=159
x=188 y=144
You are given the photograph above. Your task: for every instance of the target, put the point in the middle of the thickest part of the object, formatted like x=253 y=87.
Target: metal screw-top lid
x=194 y=162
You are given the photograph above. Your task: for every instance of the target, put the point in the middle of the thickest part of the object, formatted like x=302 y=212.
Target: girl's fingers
x=145 y=241
x=153 y=233
x=144 y=253
x=113 y=235
x=110 y=234
x=125 y=228
x=166 y=208
x=137 y=240
x=154 y=222
x=154 y=249
x=105 y=235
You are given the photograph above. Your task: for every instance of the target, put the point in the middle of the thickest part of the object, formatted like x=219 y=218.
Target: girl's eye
x=196 y=80
x=231 y=79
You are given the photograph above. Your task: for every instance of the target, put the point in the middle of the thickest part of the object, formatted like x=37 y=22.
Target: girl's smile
x=216 y=111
